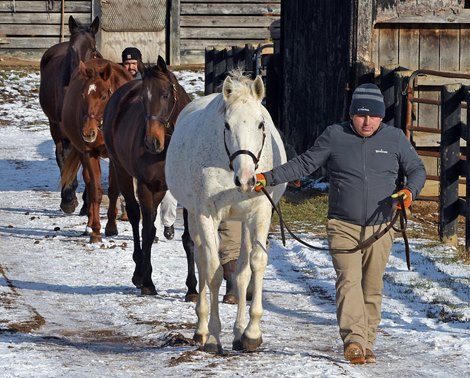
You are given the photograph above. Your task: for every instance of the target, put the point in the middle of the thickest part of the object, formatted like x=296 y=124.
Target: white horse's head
x=244 y=133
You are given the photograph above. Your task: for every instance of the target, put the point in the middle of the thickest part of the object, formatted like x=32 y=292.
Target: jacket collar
x=359 y=135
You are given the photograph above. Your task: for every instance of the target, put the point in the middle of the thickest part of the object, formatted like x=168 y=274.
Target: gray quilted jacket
x=363 y=172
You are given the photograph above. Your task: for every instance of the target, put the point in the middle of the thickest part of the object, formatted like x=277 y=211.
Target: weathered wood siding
x=431 y=46
x=32 y=26
x=316 y=67
x=29 y=27
x=440 y=47
x=221 y=24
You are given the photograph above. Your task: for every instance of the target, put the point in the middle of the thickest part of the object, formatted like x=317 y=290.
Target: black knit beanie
x=367 y=100
x=131 y=53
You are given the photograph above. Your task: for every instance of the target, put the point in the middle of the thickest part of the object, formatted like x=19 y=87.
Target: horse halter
x=94 y=116
x=99 y=119
x=231 y=157
x=166 y=123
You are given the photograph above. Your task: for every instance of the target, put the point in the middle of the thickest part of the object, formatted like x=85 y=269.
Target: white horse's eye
x=261 y=125
x=227 y=126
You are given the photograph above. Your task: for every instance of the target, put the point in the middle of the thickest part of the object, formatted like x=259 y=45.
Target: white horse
x=220 y=142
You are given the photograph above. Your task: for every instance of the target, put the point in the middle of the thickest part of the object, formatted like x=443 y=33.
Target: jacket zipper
x=365 y=189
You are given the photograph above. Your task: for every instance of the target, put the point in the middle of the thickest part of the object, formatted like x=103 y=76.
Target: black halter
x=231 y=157
x=99 y=119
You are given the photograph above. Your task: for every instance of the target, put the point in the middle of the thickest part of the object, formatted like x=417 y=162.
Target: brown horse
x=138 y=123
x=89 y=90
x=57 y=65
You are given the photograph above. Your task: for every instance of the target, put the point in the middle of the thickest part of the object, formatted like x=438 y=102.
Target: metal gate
x=453 y=150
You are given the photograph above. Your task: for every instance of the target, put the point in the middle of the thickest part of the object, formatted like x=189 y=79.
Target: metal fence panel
x=133 y=15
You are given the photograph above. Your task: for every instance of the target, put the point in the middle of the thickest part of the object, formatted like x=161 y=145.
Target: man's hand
x=407 y=198
x=260 y=182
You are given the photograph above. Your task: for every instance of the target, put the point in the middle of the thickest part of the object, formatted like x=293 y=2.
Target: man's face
x=365 y=125
x=131 y=66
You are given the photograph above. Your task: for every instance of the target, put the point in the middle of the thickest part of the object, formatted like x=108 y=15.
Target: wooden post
x=387 y=86
x=220 y=68
x=249 y=64
x=466 y=94
x=315 y=76
x=174 y=33
x=209 y=71
x=229 y=61
x=62 y=16
x=400 y=99
x=274 y=88
x=238 y=56
x=450 y=157
x=362 y=73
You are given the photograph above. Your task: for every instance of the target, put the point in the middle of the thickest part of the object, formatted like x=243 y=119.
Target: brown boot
x=354 y=354
x=370 y=357
x=230 y=296
x=124 y=216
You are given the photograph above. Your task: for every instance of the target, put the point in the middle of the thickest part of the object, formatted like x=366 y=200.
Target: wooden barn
x=178 y=30
x=329 y=47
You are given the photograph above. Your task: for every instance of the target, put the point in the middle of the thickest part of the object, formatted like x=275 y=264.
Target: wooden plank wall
x=432 y=46
x=223 y=24
x=315 y=73
x=32 y=26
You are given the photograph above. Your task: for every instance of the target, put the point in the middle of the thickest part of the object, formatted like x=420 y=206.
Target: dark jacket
x=363 y=172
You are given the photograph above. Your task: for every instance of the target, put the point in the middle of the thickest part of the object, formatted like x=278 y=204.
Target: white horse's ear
x=227 y=88
x=258 y=87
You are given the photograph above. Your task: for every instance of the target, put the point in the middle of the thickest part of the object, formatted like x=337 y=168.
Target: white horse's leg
x=213 y=278
x=243 y=277
x=202 y=309
x=259 y=227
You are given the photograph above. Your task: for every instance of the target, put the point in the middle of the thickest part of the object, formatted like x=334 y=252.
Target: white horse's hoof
x=250 y=345
x=200 y=339
x=213 y=348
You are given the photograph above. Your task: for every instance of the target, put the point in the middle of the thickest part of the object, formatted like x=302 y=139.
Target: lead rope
x=399 y=214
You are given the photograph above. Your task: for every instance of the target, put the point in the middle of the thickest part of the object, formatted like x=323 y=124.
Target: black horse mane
x=153 y=70
x=69 y=62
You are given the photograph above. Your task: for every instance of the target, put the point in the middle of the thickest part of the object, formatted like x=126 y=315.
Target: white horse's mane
x=240 y=86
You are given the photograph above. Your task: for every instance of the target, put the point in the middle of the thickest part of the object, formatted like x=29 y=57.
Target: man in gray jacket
x=363 y=158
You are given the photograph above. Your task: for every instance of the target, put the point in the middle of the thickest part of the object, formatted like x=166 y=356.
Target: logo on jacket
x=381 y=151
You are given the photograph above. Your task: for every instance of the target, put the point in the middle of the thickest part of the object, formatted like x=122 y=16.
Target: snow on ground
x=69 y=309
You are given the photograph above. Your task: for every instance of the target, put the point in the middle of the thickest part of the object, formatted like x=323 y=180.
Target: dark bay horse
x=89 y=90
x=138 y=123
x=57 y=65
